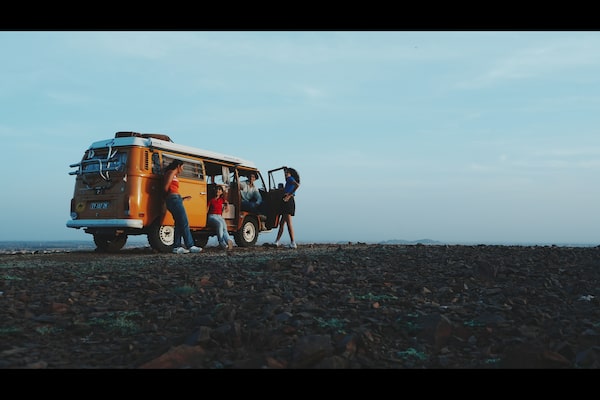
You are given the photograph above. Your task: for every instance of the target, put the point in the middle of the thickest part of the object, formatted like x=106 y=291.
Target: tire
x=161 y=237
x=248 y=234
x=109 y=243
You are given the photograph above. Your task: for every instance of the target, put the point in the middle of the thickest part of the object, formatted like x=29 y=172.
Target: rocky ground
x=351 y=306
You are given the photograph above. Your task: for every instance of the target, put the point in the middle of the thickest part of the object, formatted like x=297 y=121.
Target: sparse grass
x=96 y=282
x=9 y=330
x=406 y=323
x=473 y=323
x=186 y=289
x=118 y=322
x=48 y=330
x=373 y=297
x=411 y=353
x=10 y=278
x=335 y=323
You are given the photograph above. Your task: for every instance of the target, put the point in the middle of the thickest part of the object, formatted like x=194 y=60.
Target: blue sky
x=458 y=136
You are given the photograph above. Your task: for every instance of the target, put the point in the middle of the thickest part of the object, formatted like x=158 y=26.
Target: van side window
x=191 y=169
x=218 y=173
x=199 y=172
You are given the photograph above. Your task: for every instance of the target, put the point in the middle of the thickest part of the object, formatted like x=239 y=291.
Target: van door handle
x=202 y=192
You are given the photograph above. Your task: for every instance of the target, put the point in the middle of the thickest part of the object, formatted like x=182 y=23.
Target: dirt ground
x=321 y=306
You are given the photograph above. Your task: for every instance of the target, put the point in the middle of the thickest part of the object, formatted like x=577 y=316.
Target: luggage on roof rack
x=144 y=135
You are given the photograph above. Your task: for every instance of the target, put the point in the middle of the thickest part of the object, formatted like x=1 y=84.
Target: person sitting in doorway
x=251 y=198
x=216 y=220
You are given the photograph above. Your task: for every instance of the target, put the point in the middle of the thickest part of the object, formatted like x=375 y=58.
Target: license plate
x=101 y=205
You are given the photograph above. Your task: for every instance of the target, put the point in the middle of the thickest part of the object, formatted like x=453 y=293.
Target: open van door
x=274 y=195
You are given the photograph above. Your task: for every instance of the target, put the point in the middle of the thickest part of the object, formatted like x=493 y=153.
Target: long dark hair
x=174 y=164
x=294 y=174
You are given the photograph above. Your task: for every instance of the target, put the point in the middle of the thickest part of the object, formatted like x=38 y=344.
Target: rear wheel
x=109 y=243
x=248 y=234
x=161 y=237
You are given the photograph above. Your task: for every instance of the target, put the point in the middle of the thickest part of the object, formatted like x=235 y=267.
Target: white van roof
x=170 y=146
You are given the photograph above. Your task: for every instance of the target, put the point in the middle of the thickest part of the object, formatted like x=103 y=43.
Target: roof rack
x=159 y=136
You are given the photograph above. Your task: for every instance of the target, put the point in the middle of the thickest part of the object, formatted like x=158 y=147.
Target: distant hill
x=436 y=242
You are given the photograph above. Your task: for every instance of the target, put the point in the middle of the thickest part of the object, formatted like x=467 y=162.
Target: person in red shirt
x=216 y=205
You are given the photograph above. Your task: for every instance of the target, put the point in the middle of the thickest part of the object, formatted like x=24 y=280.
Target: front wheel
x=109 y=243
x=248 y=234
x=161 y=237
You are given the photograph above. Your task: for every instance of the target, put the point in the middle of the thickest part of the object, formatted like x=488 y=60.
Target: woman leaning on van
x=288 y=205
x=175 y=206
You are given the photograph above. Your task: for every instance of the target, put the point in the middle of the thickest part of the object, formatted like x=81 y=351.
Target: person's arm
x=296 y=186
x=287 y=196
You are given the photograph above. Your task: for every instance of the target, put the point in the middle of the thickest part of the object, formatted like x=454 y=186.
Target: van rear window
x=98 y=161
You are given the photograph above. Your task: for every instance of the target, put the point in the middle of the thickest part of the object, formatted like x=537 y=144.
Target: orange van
x=118 y=192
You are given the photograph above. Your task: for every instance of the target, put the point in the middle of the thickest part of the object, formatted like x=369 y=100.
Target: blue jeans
x=182 y=226
x=251 y=206
x=218 y=222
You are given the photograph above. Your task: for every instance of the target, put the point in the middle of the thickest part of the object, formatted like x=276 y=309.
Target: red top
x=215 y=205
x=174 y=185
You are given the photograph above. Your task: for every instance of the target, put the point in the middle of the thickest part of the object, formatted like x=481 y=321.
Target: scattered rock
x=342 y=306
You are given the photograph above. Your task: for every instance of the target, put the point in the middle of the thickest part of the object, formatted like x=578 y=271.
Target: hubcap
x=167 y=234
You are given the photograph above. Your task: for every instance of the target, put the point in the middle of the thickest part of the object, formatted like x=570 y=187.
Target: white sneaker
x=293 y=245
x=276 y=244
x=195 y=249
x=229 y=244
x=180 y=250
